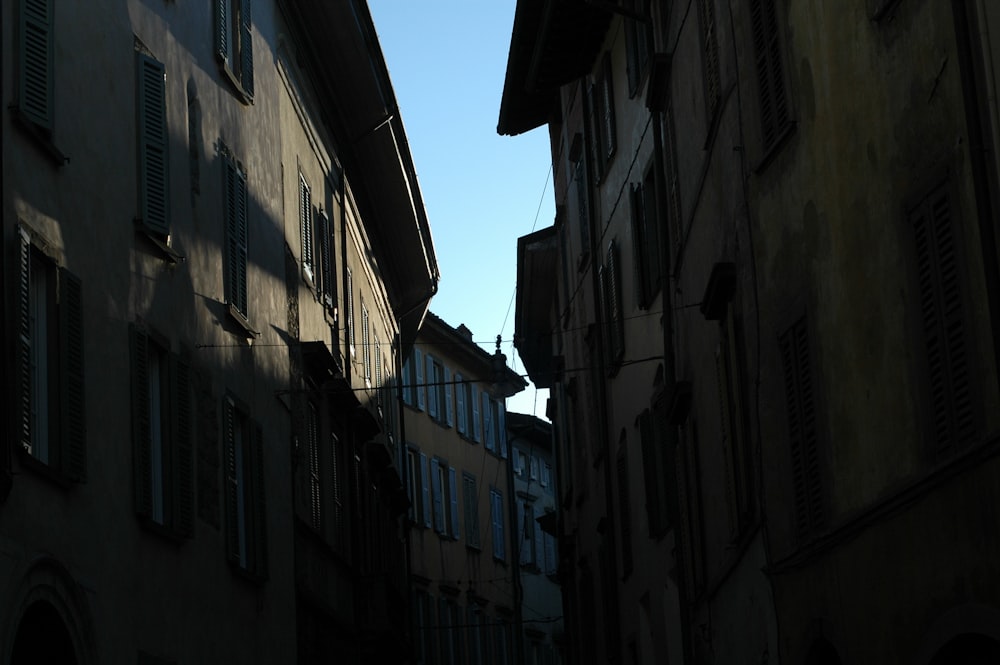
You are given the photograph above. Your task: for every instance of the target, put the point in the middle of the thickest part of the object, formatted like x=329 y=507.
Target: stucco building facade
x=215 y=258
x=767 y=312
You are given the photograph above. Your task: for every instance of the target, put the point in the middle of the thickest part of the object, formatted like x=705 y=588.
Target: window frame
x=245 y=504
x=234 y=45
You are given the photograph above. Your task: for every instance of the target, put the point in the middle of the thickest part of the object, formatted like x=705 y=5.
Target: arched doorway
x=42 y=637
x=968 y=649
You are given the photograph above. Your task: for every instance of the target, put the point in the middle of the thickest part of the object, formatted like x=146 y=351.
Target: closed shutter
x=141 y=453
x=35 y=77
x=23 y=354
x=151 y=109
x=523 y=545
x=72 y=411
x=437 y=500
x=453 y=490
x=183 y=448
x=236 y=236
x=614 y=304
x=713 y=85
x=502 y=428
x=408 y=382
x=326 y=256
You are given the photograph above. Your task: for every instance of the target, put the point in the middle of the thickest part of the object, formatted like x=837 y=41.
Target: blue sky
x=447 y=60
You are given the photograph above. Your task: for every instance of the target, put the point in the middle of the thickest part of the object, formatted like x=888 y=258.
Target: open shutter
x=151 y=109
x=241 y=239
x=231 y=486
x=437 y=501
x=326 y=256
x=449 y=406
x=246 y=48
x=523 y=546
x=35 y=43
x=536 y=529
x=425 y=490
x=463 y=417
x=222 y=28
x=259 y=534
x=183 y=450
x=23 y=355
x=72 y=413
x=488 y=435
x=477 y=434
x=608 y=100
x=141 y=463
x=432 y=387
x=502 y=428
x=305 y=228
x=453 y=489
x=418 y=364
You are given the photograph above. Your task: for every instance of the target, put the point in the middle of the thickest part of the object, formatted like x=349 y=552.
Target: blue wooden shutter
x=502 y=428
x=35 y=76
x=141 y=481
x=425 y=490
x=437 y=500
x=476 y=428
x=72 y=412
x=488 y=431
x=524 y=550
x=151 y=109
x=418 y=364
x=432 y=388
x=463 y=417
x=246 y=48
x=453 y=489
x=183 y=450
x=407 y=381
x=449 y=406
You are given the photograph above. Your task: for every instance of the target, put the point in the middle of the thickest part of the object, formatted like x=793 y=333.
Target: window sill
x=162 y=531
x=775 y=148
x=234 y=81
x=242 y=321
x=253 y=577
x=44 y=470
x=163 y=247
x=41 y=137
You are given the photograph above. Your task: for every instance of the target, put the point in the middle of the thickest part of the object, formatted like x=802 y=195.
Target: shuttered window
x=315 y=480
x=453 y=503
x=497 y=521
x=772 y=94
x=673 y=220
x=636 y=46
x=609 y=129
x=710 y=45
x=162 y=446
x=246 y=541
x=460 y=409
x=234 y=43
x=425 y=490
x=646 y=239
x=943 y=318
x=807 y=480
x=611 y=292
x=328 y=289
x=349 y=313
x=35 y=59
x=153 y=156
x=235 y=210
x=470 y=506
x=306 y=230
x=49 y=399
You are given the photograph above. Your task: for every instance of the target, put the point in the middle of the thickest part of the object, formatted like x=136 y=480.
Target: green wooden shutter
x=72 y=412
x=141 y=463
x=770 y=75
x=258 y=502
x=182 y=454
x=437 y=497
x=326 y=256
x=23 y=355
x=231 y=487
x=608 y=99
x=305 y=227
x=222 y=29
x=35 y=56
x=246 y=48
x=242 y=233
x=151 y=111
x=425 y=490
x=236 y=236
